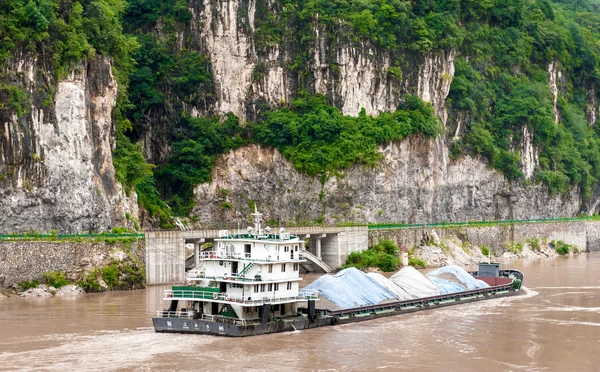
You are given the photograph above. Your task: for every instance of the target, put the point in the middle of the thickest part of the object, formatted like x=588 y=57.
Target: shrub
x=387 y=263
x=110 y=275
x=381 y=256
x=29 y=284
x=55 y=279
x=134 y=275
x=90 y=283
x=534 y=243
x=562 y=248
x=485 y=250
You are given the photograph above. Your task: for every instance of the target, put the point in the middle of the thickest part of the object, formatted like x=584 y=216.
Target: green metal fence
x=51 y=237
x=479 y=223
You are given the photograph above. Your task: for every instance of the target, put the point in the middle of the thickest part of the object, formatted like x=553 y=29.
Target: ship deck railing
x=191 y=295
x=175 y=314
x=216 y=255
x=237 y=278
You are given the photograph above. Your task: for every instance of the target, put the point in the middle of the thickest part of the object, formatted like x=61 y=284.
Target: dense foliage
x=312 y=134
x=382 y=256
x=500 y=92
x=501 y=85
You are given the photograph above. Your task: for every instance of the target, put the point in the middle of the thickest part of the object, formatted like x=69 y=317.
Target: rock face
x=56 y=161
x=416 y=182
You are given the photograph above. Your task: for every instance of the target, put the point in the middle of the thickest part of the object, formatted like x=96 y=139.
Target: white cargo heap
x=351 y=287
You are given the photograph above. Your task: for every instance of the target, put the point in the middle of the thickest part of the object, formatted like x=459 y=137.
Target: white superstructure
x=244 y=271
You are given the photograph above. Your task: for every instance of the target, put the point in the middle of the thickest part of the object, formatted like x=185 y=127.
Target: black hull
x=199 y=326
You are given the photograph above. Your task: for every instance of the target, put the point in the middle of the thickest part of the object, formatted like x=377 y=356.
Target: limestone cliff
x=416 y=182
x=56 y=168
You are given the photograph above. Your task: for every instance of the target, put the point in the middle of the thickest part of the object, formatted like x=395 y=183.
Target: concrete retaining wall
x=584 y=235
x=335 y=248
x=29 y=260
x=165 y=257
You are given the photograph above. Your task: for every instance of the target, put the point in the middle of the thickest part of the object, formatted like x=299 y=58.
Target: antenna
x=257 y=216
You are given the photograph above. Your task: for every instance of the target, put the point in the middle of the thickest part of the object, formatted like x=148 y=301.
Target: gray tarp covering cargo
x=414 y=283
x=461 y=274
x=398 y=291
x=350 y=288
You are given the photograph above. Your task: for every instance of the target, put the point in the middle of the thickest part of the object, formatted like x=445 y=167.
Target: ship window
x=270 y=269
x=296 y=267
x=270 y=287
x=286 y=249
x=256 y=288
x=283 y=268
x=276 y=286
x=289 y=285
x=262 y=287
x=296 y=248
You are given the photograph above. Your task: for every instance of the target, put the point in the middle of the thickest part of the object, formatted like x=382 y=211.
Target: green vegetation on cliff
x=310 y=133
x=508 y=57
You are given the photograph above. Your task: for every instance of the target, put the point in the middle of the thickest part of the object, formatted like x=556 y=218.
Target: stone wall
x=584 y=235
x=27 y=260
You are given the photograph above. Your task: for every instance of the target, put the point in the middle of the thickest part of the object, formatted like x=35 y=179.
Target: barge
x=249 y=285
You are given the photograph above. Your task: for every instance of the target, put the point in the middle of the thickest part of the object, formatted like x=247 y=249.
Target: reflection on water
x=554 y=327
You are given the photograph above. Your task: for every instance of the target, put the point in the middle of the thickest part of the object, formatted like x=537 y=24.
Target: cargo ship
x=248 y=284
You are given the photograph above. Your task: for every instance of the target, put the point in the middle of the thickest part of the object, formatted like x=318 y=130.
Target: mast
x=257 y=217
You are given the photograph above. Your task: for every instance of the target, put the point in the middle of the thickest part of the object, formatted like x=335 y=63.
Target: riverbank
x=92 y=265
x=456 y=250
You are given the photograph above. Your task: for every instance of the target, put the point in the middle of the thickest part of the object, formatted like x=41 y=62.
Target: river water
x=555 y=326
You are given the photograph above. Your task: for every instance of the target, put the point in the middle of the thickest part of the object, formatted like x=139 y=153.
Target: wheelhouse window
x=283 y=268
x=289 y=285
x=270 y=269
x=270 y=287
x=256 y=288
x=296 y=267
x=276 y=286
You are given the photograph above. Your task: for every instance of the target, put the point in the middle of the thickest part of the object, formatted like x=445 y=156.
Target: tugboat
x=247 y=285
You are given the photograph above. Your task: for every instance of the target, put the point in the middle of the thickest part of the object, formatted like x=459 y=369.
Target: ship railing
x=170 y=294
x=258 y=278
x=223 y=319
x=175 y=314
x=216 y=255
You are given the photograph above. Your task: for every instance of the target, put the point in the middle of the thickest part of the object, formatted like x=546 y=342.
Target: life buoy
x=227 y=298
x=269 y=258
x=215 y=296
x=225 y=276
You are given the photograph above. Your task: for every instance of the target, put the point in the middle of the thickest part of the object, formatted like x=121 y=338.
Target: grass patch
x=55 y=279
x=417 y=263
x=27 y=284
x=514 y=247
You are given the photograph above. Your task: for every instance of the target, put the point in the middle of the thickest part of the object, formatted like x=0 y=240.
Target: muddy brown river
x=555 y=326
